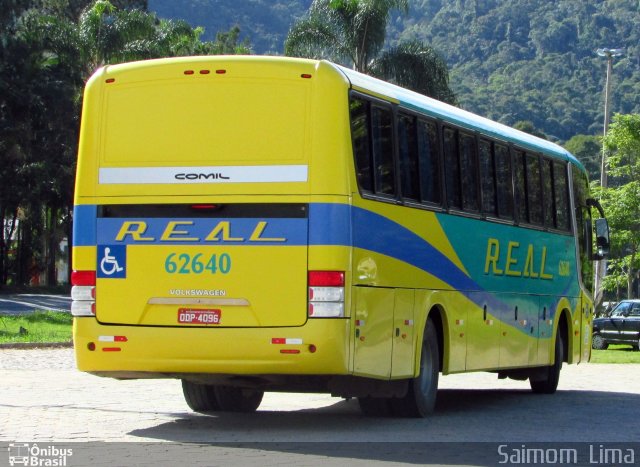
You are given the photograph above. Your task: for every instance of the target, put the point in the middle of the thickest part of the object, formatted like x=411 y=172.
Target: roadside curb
x=37 y=345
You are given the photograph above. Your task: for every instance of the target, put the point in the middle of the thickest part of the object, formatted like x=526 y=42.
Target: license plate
x=189 y=316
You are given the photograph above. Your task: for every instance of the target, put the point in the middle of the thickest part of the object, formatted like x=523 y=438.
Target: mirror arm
x=594 y=203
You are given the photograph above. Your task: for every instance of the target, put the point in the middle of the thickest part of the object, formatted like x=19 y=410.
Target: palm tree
x=352 y=32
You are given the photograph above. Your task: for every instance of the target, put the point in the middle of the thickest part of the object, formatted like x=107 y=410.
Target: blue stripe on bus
x=330 y=224
x=84 y=224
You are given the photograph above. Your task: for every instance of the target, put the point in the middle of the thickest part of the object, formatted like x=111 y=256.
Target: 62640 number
x=197 y=264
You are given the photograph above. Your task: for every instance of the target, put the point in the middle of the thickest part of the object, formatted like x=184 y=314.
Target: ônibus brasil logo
x=34 y=455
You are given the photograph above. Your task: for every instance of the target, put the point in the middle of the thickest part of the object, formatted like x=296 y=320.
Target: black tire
x=549 y=383
x=598 y=342
x=200 y=397
x=420 y=400
x=232 y=399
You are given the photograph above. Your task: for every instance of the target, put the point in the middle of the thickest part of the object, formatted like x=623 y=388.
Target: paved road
x=44 y=399
x=15 y=304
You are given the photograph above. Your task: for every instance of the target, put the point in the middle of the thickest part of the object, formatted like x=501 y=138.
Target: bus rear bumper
x=320 y=347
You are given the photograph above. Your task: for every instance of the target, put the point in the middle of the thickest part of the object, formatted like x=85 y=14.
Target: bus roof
x=437 y=109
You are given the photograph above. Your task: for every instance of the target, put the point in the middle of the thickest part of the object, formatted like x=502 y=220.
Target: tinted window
x=382 y=144
x=520 y=186
x=583 y=222
x=504 y=182
x=452 y=169
x=560 y=190
x=429 y=162
x=469 y=172
x=547 y=193
x=361 y=143
x=408 y=151
x=488 y=178
x=534 y=190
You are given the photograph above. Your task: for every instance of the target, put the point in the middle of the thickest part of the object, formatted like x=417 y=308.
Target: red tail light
x=326 y=279
x=326 y=294
x=83 y=278
x=83 y=293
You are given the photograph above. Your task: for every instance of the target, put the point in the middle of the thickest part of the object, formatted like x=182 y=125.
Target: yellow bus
x=252 y=224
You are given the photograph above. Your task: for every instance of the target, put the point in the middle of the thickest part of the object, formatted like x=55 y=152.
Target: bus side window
x=452 y=169
x=469 y=172
x=547 y=193
x=534 y=190
x=560 y=190
x=520 y=187
x=360 y=129
x=408 y=152
x=429 y=162
x=488 y=178
x=382 y=145
x=504 y=182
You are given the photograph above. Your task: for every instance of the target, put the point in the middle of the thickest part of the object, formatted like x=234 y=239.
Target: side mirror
x=602 y=238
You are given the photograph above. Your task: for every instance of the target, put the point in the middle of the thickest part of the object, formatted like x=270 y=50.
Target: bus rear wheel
x=232 y=399
x=549 y=383
x=200 y=397
x=420 y=400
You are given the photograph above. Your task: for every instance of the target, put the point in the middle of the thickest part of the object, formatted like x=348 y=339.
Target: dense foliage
x=509 y=60
x=530 y=60
x=353 y=33
x=621 y=201
x=48 y=48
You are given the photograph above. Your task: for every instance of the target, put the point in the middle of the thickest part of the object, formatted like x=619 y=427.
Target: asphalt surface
x=44 y=400
x=15 y=304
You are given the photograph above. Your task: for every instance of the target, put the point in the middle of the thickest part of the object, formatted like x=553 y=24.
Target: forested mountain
x=510 y=60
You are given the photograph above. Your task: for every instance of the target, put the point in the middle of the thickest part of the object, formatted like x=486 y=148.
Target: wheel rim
x=598 y=342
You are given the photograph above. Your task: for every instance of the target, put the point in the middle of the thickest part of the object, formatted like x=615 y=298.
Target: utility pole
x=601 y=266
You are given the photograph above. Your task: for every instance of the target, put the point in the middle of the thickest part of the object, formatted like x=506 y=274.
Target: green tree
x=47 y=52
x=528 y=127
x=622 y=200
x=588 y=150
x=353 y=32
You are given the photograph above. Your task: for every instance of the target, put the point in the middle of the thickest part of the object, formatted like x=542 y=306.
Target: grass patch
x=616 y=354
x=36 y=327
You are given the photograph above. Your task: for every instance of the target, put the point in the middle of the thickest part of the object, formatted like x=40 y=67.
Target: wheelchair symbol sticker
x=112 y=261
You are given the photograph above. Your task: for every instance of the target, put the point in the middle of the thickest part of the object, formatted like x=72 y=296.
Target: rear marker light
x=220 y=72
x=188 y=72
x=326 y=294
x=204 y=72
x=305 y=75
x=286 y=340
x=112 y=338
x=91 y=346
x=109 y=80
